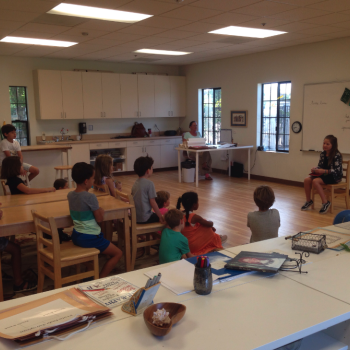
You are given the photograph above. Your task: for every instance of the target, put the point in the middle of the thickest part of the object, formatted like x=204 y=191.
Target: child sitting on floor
x=19 y=284
x=163 y=201
x=85 y=212
x=264 y=223
x=200 y=233
x=173 y=245
x=60 y=184
x=11 y=169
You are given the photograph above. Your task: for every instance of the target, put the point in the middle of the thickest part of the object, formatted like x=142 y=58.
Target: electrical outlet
x=91 y=127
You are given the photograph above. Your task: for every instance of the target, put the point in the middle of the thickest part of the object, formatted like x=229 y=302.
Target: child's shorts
x=3 y=243
x=26 y=166
x=328 y=179
x=90 y=241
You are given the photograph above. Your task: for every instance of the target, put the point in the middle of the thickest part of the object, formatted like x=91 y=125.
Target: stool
x=59 y=172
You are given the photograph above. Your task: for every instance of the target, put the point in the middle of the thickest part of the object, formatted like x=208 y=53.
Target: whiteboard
x=325 y=114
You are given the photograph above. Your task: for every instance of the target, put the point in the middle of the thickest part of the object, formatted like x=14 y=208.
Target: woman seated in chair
x=205 y=161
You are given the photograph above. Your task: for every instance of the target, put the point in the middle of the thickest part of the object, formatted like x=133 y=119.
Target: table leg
x=197 y=161
x=248 y=163
x=127 y=241
x=69 y=171
x=179 y=164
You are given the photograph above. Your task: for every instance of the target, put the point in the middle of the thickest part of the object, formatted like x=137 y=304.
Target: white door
x=129 y=103
x=72 y=92
x=162 y=96
x=132 y=153
x=111 y=95
x=154 y=152
x=145 y=86
x=92 y=95
x=168 y=156
x=50 y=94
x=80 y=153
x=178 y=96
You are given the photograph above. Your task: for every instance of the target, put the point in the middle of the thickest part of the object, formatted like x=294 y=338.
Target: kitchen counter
x=48 y=147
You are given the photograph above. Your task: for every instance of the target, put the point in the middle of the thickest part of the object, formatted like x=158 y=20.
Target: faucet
x=62 y=132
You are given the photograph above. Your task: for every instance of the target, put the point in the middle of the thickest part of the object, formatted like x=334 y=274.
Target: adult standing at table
x=205 y=161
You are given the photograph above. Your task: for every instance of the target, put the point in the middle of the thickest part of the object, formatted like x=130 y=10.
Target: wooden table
x=66 y=149
x=17 y=220
x=30 y=199
x=179 y=150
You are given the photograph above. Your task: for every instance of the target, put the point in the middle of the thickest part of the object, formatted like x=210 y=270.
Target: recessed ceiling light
x=97 y=13
x=247 y=32
x=163 y=52
x=33 y=41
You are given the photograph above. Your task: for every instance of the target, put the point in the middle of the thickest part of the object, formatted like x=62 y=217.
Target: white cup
x=78 y=138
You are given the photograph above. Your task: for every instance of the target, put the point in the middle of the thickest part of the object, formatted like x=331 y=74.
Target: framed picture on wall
x=239 y=118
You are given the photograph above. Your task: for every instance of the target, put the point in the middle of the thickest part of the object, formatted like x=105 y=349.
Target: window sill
x=278 y=152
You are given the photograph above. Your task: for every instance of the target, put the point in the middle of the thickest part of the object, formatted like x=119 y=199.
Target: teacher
x=205 y=161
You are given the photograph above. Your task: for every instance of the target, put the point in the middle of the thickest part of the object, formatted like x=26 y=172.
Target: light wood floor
x=226 y=201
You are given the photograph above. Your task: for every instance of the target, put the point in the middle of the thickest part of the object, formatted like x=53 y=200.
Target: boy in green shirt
x=173 y=245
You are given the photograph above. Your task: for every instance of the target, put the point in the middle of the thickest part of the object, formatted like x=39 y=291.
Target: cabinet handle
x=104 y=114
x=172 y=113
x=140 y=114
x=65 y=114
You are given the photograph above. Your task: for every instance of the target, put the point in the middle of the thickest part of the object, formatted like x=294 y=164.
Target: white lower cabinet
x=132 y=153
x=168 y=156
x=154 y=152
x=80 y=153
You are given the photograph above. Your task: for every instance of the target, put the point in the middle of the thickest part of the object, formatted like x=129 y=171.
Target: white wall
x=239 y=78
x=18 y=71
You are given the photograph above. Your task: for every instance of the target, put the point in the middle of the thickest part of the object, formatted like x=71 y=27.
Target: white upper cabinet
x=129 y=98
x=49 y=94
x=178 y=96
x=111 y=95
x=92 y=95
x=145 y=88
x=162 y=96
x=72 y=93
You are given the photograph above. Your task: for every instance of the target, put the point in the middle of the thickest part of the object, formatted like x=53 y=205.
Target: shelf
x=322 y=341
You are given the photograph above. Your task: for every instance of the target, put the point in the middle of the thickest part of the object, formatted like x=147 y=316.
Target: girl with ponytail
x=200 y=233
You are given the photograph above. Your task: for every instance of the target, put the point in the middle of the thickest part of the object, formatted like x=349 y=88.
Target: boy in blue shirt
x=86 y=213
x=173 y=244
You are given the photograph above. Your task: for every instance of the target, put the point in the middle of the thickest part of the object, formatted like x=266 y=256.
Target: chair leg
x=41 y=279
x=148 y=248
x=347 y=199
x=58 y=277
x=77 y=271
x=313 y=197
x=134 y=250
x=96 y=268
x=332 y=200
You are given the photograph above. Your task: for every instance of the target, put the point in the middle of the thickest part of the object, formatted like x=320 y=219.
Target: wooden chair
x=1 y=286
x=5 y=188
x=337 y=190
x=59 y=170
x=57 y=256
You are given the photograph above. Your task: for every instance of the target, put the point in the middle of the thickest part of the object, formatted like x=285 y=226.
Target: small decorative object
x=296 y=127
x=346 y=96
x=239 y=118
x=160 y=317
x=296 y=264
x=309 y=242
x=176 y=313
x=203 y=278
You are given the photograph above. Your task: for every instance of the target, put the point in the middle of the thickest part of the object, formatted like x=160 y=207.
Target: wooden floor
x=226 y=201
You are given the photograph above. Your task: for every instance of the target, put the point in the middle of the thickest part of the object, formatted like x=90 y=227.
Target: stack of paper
x=196 y=141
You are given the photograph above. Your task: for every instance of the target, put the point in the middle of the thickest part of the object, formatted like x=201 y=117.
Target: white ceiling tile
x=265 y=8
x=341 y=34
x=328 y=19
x=229 y=19
x=164 y=22
x=4 y=32
x=200 y=27
x=28 y=34
x=77 y=50
x=108 y=26
x=37 y=51
x=205 y=47
x=191 y=13
x=169 y=46
x=295 y=26
x=123 y=57
x=20 y=16
x=208 y=37
x=268 y=23
x=185 y=43
x=92 y=33
x=103 y=42
x=299 y=2
x=347 y=12
x=319 y=30
x=11 y=24
x=66 y=21
x=332 y=5
x=176 y=34
x=149 y=7
x=27 y=5
x=300 y=14
x=122 y=36
x=73 y=38
x=342 y=24
x=223 y=5
x=44 y=28
x=10 y=49
x=153 y=40
x=141 y=30
x=109 y=4
x=172 y=1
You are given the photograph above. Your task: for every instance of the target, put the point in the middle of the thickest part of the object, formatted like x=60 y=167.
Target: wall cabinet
x=72 y=95
x=145 y=89
x=92 y=95
x=178 y=96
x=128 y=94
x=111 y=95
x=162 y=96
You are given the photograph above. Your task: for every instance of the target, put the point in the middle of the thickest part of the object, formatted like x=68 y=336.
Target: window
x=19 y=113
x=275 y=114
x=211 y=113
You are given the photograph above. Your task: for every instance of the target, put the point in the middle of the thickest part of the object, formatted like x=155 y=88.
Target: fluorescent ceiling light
x=97 y=13
x=246 y=32
x=33 y=41
x=163 y=52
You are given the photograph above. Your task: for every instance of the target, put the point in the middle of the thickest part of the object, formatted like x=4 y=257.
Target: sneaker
x=223 y=238
x=325 y=207
x=307 y=205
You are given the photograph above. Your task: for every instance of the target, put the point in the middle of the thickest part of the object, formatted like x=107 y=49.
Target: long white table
x=179 y=150
x=252 y=312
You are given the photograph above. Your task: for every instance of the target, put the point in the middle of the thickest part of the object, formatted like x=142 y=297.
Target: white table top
x=213 y=149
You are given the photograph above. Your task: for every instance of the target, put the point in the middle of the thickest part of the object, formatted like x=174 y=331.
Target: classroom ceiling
x=177 y=26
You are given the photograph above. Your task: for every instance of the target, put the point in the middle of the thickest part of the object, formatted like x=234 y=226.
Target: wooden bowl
x=176 y=312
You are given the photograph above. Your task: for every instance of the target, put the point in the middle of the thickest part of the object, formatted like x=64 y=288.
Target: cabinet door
x=168 y=156
x=92 y=95
x=80 y=153
x=154 y=152
x=129 y=103
x=162 y=96
x=72 y=92
x=111 y=95
x=178 y=96
x=145 y=87
x=132 y=153
x=49 y=95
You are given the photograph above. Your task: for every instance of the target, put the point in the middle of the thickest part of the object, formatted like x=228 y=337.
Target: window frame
x=214 y=114
x=277 y=117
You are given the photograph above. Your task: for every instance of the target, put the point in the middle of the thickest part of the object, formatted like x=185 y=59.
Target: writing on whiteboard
x=345 y=127
x=318 y=103
x=347 y=119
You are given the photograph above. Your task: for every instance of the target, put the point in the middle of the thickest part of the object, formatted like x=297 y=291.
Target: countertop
x=49 y=147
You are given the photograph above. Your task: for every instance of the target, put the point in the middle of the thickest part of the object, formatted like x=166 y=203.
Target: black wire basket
x=309 y=242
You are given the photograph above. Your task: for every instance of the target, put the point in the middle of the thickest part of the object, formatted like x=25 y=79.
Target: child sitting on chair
x=60 y=184
x=173 y=245
x=86 y=213
x=264 y=223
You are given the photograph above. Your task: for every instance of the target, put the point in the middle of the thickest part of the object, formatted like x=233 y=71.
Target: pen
x=153 y=281
x=158 y=277
x=148 y=283
x=93 y=290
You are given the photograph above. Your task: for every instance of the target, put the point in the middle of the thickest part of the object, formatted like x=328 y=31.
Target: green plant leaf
x=345 y=247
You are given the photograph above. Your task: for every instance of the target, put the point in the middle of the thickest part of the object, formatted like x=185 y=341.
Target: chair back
x=343 y=216
x=346 y=170
x=5 y=189
x=103 y=188
x=50 y=228
x=132 y=210
x=122 y=195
